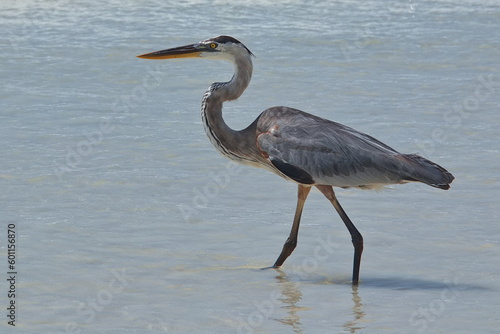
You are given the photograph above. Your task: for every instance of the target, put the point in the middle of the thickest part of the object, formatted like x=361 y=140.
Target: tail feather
x=428 y=172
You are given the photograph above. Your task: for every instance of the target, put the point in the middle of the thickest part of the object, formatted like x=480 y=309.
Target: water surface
x=129 y=222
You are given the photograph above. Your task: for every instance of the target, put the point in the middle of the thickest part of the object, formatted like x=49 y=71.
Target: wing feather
x=331 y=153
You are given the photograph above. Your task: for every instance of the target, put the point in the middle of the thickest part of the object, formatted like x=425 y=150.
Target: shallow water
x=128 y=221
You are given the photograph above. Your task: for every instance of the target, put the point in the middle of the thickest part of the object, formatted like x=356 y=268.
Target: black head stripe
x=228 y=39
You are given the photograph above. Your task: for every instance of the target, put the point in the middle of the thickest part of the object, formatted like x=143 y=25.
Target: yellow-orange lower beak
x=187 y=51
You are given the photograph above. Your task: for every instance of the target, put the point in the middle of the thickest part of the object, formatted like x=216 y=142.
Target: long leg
x=356 y=237
x=291 y=242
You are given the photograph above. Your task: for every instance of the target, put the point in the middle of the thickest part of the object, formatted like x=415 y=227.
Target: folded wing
x=313 y=150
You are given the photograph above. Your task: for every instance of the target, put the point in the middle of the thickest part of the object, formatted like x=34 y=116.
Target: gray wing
x=313 y=150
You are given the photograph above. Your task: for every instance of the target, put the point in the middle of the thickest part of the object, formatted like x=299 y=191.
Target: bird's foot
x=271 y=267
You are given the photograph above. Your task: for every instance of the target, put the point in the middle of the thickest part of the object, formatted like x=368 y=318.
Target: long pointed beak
x=186 y=51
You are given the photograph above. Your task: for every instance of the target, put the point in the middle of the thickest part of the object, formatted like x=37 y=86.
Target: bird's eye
x=213 y=45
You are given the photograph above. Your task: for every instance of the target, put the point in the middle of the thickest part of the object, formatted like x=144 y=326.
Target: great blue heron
x=301 y=147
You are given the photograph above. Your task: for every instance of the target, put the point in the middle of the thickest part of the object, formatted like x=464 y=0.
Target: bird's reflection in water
x=353 y=326
x=291 y=295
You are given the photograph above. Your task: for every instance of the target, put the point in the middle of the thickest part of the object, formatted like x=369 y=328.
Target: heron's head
x=221 y=47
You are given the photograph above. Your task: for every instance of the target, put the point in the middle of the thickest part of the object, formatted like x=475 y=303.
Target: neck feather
x=229 y=142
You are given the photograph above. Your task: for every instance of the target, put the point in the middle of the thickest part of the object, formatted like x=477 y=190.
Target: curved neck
x=229 y=142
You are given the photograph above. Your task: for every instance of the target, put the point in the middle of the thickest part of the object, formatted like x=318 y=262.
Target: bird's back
x=310 y=149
